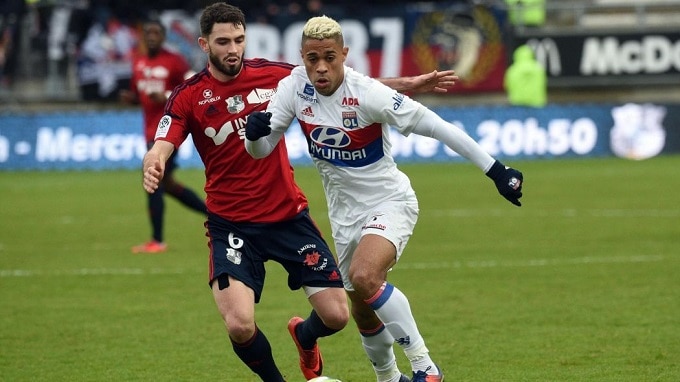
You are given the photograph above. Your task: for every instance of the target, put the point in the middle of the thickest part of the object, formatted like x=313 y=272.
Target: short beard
x=230 y=71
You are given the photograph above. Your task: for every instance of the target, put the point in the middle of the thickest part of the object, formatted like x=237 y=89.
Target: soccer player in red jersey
x=155 y=73
x=256 y=211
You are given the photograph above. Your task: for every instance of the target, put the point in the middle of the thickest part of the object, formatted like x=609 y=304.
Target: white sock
x=378 y=345
x=423 y=363
x=393 y=309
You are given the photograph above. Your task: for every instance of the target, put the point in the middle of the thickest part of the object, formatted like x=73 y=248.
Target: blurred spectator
x=526 y=80
x=526 y=12
x=11 y=17
x=104 y=60
x=284 y=13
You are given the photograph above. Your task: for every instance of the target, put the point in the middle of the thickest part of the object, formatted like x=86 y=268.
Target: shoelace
x=420 y=374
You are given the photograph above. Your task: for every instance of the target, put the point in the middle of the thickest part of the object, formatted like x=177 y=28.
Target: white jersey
x=348 y=139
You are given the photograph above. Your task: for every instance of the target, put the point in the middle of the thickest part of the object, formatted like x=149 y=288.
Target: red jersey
x=157 y=74
x=238 y=187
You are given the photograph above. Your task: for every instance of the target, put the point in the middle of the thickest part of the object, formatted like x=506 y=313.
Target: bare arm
x=435 y=81
x=153 y=165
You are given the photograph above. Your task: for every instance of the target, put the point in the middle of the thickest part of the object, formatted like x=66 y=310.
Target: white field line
x=567 y=212
x=533 y=262
x=472 y=264
x=94 y=272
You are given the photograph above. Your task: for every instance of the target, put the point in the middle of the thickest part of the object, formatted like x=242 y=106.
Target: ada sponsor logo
x=350 y=101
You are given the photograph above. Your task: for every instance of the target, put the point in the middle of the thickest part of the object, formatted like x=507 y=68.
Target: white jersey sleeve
x=386 y=105
x=433 y=126
x=283 y=112
x=282 y=105
x=409 y=116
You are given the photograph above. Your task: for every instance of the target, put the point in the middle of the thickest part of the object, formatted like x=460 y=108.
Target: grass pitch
x=579 y=284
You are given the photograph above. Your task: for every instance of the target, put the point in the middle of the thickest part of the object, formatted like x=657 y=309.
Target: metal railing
x=607 y=14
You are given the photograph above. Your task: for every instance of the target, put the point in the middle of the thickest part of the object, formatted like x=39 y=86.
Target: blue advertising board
x=113 y=139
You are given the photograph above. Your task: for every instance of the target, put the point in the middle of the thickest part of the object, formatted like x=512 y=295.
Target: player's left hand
x=435 y=81
x=508 y=181
x=257 y=125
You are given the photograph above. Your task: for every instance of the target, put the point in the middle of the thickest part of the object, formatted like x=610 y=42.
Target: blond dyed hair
x=321 y=28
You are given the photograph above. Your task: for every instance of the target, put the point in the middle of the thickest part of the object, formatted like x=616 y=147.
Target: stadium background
x=576 y=285
x=604 y=58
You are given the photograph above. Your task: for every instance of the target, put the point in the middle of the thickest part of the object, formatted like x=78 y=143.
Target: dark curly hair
x=221 y=13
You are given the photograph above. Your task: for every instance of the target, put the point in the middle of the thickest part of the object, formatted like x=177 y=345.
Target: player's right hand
x=152 y=175
x=257 y=125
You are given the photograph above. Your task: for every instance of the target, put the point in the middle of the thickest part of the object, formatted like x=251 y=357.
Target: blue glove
x=257 y=125
x=508 y=181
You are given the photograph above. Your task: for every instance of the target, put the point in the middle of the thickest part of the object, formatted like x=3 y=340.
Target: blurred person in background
x=11 y=20
x=156 y=71
x=529 y=13
x=257 y=212
x=104 y=56
x=526 y=81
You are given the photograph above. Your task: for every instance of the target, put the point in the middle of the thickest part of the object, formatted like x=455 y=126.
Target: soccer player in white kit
x=373 y=209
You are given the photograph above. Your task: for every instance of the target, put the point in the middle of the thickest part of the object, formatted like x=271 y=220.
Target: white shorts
x=393 y=220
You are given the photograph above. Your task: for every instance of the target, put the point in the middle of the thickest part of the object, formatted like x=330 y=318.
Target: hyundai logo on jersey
x=309 y=90
x=330 y=136
x=346 y=148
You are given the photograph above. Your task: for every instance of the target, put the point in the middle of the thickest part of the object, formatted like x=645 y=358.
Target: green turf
x=579 y=284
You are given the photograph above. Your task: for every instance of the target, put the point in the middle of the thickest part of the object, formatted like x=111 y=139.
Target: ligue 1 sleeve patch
x=163 y=127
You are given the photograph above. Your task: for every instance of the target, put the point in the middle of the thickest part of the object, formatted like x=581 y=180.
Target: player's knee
x=240 y=331
x=331 y=306
x=338 y=318
x=365 y=281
